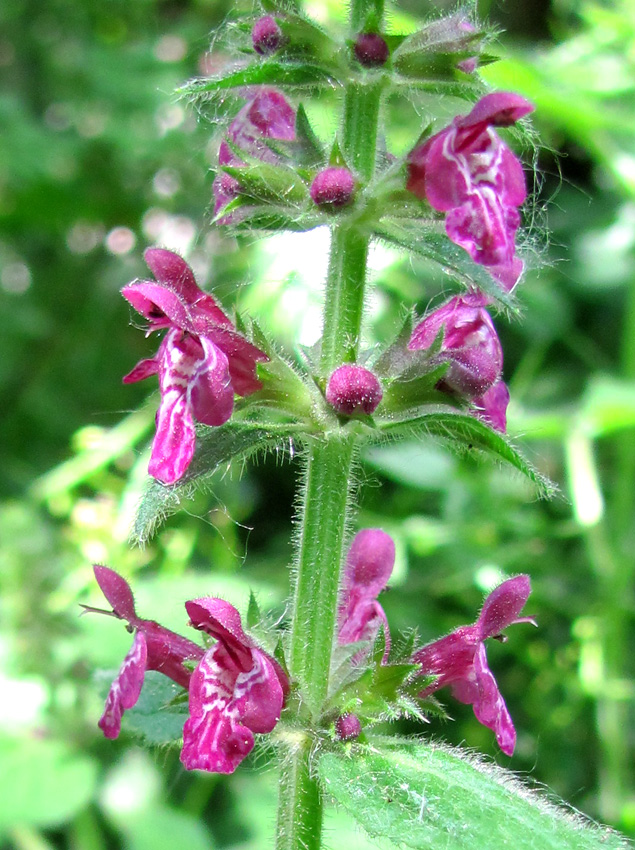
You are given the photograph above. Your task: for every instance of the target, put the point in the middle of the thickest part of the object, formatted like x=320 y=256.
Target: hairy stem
x=326 y=486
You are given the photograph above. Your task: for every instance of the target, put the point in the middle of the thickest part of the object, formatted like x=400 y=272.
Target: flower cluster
x=235 y=690
x=201 y=362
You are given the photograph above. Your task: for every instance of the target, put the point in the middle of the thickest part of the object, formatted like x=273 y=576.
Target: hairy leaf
x=467 y=433
x=426 y=796
x=156 y=717
x=263 y=73
x=414 y=236
x=215 y=448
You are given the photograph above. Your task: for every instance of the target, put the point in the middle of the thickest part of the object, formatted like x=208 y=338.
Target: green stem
x=327 y=484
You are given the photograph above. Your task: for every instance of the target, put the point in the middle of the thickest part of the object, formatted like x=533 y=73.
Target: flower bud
x=371 y=50
x=353 y=389
x=470 y=344
x=333 y=187
x=347 y=726
x=491 y=407
x=266 y=35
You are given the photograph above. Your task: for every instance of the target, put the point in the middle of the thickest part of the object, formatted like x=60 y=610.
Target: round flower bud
x=347 y=726
x=371 y=50
x=266 y=35
x=333 y=187
x=353 y=389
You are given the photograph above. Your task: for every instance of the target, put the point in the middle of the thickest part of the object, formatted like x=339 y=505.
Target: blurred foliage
x=97 y=160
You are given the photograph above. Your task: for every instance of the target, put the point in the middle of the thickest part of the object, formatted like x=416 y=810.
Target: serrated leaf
x=425 y=796
x=298 y=74
x=157 y=717
x=415 y=236
x=467 y=433
x=215 y=448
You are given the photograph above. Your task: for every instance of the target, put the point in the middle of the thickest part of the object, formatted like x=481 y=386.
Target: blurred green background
x=97 y=161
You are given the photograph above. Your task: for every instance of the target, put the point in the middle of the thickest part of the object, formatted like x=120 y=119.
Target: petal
x=117 y=591
x=503 y=605
x=173 y=272
x=124 y=691
x=221 y=620
x=258 y=694
x=370 y=561
x=489 y=706
x=491 y=407
x=498 y=109
x=213 y=737
x=161 y=306
x=175 y=437
x=144 y=369
x=241 y=354
x=451 y=658
x=209 y=388
x=167 y=652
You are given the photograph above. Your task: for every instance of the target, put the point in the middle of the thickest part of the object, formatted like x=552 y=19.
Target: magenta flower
x=467 y=172
x=266 y=35
x=268 y=115
x=201 y=362
x=154 y=648
x=459 y=659
x=353 y=389
x=236 y=690
x=470 y=344
x=369 y=564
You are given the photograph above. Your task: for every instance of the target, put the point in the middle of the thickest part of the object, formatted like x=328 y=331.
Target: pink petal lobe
x=258 y=695
x=241 y=354
x=370 y=561
x=126 y=688
x=175 y=438
x=503 y=605
x=499 y=109
x=221 y=620
x=172 y=271
x=144 y=369
x=209 y=387
x=117 y=591
x=161 y=306
x=489 y=706
x=213 y=737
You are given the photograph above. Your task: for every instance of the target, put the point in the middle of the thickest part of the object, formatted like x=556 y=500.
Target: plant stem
x=327 y=485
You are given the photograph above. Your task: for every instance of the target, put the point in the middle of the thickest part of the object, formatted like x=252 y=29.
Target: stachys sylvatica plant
x=320 y=682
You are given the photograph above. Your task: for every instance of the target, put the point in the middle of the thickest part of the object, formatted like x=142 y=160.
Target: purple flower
x=467 y=172
x=266 y=35
x=268 y=115
x=369 y=564
x=153 y=648
x=470 y=344
x=353 y=389
x=236 y=690
x=347 y=727
x=333 y=188
x=201 y=362
x=459 y=659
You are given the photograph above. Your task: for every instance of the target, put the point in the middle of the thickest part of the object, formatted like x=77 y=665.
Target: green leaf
x=415 y=236
x=215 y=448
x=269 y=183
x=42 y=782
x=156 y=717
x=307 y=146
x=467 y=433
x=426 y=796
x=281 y=74
x=466 y=90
